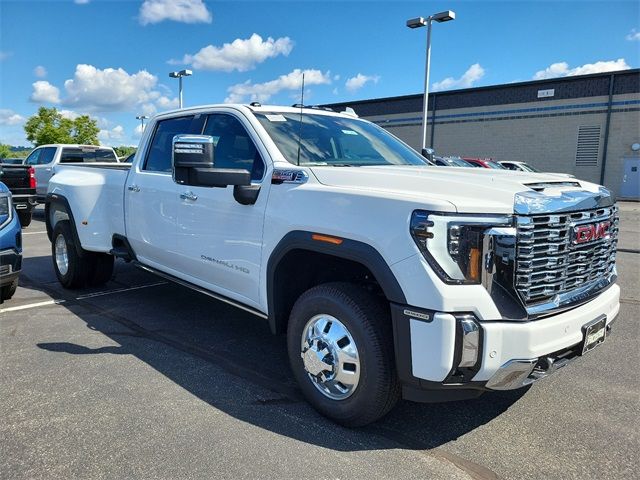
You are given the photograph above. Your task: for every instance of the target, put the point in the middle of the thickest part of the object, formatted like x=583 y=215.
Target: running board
x=198 y=289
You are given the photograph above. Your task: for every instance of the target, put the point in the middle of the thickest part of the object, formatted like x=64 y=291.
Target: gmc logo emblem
x=590 y=233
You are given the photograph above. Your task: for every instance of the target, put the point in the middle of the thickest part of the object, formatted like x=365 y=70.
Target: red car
x=484 y=163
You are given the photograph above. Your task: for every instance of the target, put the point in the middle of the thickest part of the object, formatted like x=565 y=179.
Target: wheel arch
x=347 y=256
x=57 y=209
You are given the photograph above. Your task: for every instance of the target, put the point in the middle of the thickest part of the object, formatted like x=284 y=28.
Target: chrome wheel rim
x=62 y=255
x=330 y=357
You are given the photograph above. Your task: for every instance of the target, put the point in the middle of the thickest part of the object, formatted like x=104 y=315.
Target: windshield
x=335 y=141
x=528 y=168
x=458 y=162
x=495 y=165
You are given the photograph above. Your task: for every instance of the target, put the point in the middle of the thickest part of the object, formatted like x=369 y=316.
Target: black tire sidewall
x=351 y=411
x=25 y=216
x=76 y=275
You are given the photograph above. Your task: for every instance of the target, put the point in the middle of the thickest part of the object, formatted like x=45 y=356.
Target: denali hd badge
x=591 y=232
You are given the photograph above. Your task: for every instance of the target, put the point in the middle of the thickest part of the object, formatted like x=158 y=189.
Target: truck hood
x=470 y=190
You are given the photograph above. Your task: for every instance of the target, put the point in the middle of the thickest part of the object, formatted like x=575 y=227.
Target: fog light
x=470 y=341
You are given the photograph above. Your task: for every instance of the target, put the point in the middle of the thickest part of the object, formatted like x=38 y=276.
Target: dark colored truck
x=21 y=180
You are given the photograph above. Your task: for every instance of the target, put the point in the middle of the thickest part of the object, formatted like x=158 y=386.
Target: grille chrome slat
x=548 y=263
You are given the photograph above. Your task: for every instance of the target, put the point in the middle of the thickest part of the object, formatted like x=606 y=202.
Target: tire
x=25 y=217
x=367 y=322
x=102 y=269
x=8 y=291
x=79 y=267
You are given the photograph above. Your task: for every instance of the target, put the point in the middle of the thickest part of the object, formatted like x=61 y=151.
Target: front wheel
x=8 y=291
x=340 y=345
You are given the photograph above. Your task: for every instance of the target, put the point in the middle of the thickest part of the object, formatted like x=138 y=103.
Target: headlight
x=5 y=209
x=453 y=243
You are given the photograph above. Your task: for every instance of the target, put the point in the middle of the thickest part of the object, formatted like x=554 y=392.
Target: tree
x=49 y=126
x=5 y=151
x=124 y=151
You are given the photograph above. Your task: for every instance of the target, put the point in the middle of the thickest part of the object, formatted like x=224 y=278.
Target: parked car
x=10 y=246
x=129 y=158
x=525 y=167
x=389 y=277
x=21 y=181
x=483 y=163
x=45 y=158
x=451 y=162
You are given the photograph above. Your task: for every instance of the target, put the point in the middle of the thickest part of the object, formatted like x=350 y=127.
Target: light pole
x=179 y=75
x=417 y=23
x=142 y=118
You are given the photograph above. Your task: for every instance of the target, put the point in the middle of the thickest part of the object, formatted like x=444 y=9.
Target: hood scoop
x=541 y=186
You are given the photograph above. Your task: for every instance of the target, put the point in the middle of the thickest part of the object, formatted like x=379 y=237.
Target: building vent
x=588 y=145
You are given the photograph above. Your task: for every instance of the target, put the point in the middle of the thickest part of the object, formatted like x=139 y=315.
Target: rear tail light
x=32 y=177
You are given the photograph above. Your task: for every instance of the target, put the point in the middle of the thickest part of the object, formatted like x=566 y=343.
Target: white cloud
x=4 y=55
x=262 y=92
x=137 y=132
x=9 y=117
x=561 y=69
x=474 y=73
x=356 y=83
x=114 y=135
x=44 y=92
x=81 y=2
x=633 y=35
x=40 y=71
x=241 y=54
x=70 y=114
x=166 y=103
x=185 y=11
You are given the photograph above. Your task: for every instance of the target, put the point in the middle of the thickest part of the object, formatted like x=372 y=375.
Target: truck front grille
x=550 y=262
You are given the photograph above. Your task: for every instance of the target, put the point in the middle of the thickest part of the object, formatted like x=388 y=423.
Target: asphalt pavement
x=142 y=378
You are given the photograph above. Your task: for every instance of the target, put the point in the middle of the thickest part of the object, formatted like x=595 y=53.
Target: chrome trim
x=470 y=342
x=494 y=251
x=533 y=202
x=513 y=374
x=280 y=175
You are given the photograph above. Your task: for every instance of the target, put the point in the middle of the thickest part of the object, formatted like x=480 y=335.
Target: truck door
x=220 y=240
x=41 y=159
x=152 y=197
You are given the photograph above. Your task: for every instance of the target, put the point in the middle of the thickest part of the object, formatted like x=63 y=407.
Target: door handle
x=48 y=169
x=133 y=188
x=189 y=196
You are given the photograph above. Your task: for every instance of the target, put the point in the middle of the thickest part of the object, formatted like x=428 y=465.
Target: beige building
x=588 y=126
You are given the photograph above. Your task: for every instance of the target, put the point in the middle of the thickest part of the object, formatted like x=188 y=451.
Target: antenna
x=300 y=122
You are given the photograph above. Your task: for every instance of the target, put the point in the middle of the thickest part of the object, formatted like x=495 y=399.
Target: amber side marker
x=326 y=239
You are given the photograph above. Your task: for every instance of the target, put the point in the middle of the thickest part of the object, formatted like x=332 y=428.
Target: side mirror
x=193 y=164
x=428 y=153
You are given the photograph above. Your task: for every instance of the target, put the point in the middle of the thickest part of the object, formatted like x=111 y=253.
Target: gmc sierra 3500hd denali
x=389 y=277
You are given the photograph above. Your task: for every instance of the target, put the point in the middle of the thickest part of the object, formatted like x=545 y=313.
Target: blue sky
x=111 y=59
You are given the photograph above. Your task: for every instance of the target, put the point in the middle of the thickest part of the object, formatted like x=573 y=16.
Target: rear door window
x=159 y=155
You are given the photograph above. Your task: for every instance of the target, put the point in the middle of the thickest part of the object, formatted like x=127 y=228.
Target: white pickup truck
x=390 y=277
x=46 y=158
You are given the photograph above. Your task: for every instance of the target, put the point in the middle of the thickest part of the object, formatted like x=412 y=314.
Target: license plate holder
x=595 y=333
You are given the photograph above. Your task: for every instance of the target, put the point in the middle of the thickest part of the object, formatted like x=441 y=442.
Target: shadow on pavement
x=167 y=326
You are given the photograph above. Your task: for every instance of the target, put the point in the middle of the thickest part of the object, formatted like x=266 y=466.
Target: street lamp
x=417 y=23
x=142 y=118
x=179 y=75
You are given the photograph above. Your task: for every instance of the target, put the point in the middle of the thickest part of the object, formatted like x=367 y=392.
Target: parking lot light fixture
x=179 y=75
x=142 y=118
x=418 y=22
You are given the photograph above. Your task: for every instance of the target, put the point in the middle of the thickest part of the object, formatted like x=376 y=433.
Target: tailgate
x=16 y=177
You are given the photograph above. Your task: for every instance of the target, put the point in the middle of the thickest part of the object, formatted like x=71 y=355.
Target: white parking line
x=33 y=233
x=119 y=290
x=31 y=305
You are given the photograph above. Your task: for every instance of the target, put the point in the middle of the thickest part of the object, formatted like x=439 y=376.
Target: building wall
x=510 y=122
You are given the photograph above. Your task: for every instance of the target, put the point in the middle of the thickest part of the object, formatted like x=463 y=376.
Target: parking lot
x=144 y=378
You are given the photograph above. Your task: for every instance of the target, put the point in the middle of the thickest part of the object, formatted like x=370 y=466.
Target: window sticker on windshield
x=349 y=132
x=276 y=118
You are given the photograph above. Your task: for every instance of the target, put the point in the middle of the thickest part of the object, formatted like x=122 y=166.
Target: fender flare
x=348 y=249
x=56 y=199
